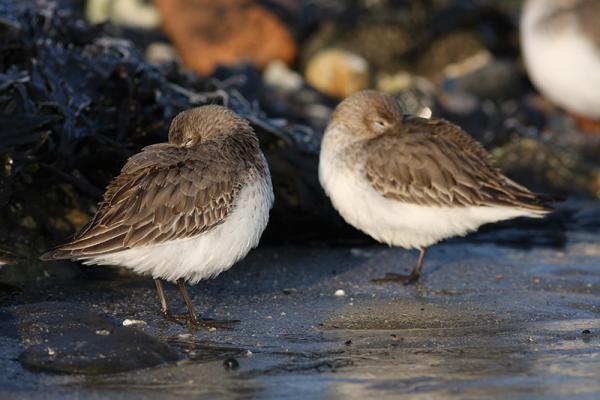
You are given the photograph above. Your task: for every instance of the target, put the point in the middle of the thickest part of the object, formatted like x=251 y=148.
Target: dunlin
x=561 y=47
x=185 y=210
x=412 y=182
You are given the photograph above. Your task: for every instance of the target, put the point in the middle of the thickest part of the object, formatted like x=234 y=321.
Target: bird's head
x=200 y=124
x=367 y=114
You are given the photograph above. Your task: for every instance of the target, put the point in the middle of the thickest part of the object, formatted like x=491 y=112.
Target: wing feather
x=163 y=193
x=435 y=163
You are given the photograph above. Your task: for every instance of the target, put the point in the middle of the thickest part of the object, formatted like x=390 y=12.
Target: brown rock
x=338 y=73
x=384 y=46
x=452 y=49
x=211 y=32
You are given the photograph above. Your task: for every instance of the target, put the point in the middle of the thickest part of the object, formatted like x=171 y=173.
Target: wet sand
x=486 y=321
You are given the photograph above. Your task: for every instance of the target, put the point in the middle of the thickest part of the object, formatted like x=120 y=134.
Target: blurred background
x=85 y=84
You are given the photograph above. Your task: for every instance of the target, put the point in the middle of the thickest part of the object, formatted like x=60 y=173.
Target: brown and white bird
x=185 y=210
x=412 y=182
x=560 y=40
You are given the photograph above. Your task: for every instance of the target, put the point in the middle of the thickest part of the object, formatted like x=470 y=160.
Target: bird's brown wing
x=163 y=193
x=434 y=163
x=587 y=13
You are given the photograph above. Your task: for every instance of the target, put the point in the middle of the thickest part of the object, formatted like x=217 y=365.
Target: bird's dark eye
x=379 y=124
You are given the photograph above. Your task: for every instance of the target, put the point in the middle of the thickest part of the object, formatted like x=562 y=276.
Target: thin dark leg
x=416 y=272
x=164 y=307
x=405 y=279
x=188 y=302
x=193 y=317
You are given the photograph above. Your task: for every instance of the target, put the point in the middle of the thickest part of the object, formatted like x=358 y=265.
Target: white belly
x=397 y=223
x=564 y=66
x=206 y=255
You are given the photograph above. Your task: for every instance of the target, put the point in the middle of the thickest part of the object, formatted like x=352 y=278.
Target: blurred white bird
x=561 y=46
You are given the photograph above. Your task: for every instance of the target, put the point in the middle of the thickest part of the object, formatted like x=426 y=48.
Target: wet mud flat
x=486 y=321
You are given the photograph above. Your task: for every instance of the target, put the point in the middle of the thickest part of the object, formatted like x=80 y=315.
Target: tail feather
x=56 y=254
x=524 y=198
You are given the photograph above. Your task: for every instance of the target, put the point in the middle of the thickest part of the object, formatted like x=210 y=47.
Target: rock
x=450 y=50
x=161 y=53
x=131 y=13
x=394 y=83
x=490 y=78
x=543 y=165
x=459 y=103
x=212 y=32
x=384 y=45
x=381 y=45
x=134 y=322
x=71 y=338
x=231 y=364
x=281 y=76
x=338 y=73
x=467 y=65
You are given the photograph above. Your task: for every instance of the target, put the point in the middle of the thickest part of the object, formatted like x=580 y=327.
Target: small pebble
x=102 y=332
x=586 y=332
x=160 y=53
x=134 y=322
x=396 y=338
x=340 y=293
x=360 y=252
x=231 y=363
x=348 y=342
x=289 y=290
x=248 y=353
x=278 y=74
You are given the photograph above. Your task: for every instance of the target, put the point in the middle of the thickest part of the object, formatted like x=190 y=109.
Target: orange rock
x=337 y=72
x=211 y=32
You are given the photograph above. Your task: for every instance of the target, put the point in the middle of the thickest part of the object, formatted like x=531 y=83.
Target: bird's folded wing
x=163 y=193
x=434 y=163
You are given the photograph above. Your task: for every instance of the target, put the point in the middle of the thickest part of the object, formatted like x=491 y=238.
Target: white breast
x=393 y=222
x=206 y=255
x=563 y=65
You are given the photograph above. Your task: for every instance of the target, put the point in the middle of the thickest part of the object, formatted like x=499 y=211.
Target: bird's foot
x=177 y=319
x=391 y=277
x=200 y=323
